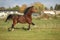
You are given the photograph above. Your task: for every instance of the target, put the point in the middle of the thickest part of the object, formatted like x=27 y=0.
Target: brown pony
x=26 y=18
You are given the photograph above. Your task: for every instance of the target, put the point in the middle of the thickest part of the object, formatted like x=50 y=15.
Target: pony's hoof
x=24 y=28
x=9 y=29
x=33 y=24
x=12 y=29
x=29 y=30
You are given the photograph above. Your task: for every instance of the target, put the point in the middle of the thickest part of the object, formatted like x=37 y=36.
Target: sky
x=12 y=3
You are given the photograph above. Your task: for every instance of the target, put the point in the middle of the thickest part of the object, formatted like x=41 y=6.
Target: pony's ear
x=32 y=6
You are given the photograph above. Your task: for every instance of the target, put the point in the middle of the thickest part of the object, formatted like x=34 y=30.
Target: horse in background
x=26 y=18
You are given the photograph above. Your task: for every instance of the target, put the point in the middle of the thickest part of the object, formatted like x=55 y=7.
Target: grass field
x=44 y=30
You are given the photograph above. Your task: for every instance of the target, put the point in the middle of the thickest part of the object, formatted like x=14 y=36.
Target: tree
x=9 y=8
x=39 y=7
x=16 y=8
x=51 y=8
x=22 y=8
x=57 y=7
x=2 y=8
x=46 y=8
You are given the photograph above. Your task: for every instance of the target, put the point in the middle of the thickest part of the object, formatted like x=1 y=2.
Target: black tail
x=9 y=17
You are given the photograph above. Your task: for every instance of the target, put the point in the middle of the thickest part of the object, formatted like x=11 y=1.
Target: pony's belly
x=21 y=20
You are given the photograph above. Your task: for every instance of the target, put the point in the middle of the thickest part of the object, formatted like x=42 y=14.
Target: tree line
x=38 y=7
x=57 y=7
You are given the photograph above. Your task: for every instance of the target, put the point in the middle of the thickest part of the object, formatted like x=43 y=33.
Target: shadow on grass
x=22 y=28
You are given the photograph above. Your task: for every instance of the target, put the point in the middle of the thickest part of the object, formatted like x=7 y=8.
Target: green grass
x=44 y=30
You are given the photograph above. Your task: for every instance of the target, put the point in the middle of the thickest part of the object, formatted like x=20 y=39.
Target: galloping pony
x=26 y=18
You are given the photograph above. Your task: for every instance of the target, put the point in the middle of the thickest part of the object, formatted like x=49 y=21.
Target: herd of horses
x=26 y=18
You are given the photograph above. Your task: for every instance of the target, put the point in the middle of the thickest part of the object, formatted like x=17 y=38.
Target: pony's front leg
x=29 y=28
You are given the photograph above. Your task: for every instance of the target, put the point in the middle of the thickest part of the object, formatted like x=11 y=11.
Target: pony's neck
x=29 y=14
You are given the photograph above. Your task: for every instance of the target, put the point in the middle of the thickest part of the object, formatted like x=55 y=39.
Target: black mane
x=26 y=10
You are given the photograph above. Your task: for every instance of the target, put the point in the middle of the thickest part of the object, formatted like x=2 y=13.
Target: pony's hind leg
x=33 y=23
x=11 y=28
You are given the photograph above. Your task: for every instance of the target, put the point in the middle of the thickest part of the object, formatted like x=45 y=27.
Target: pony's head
x=32 y=9
x=29 y=9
